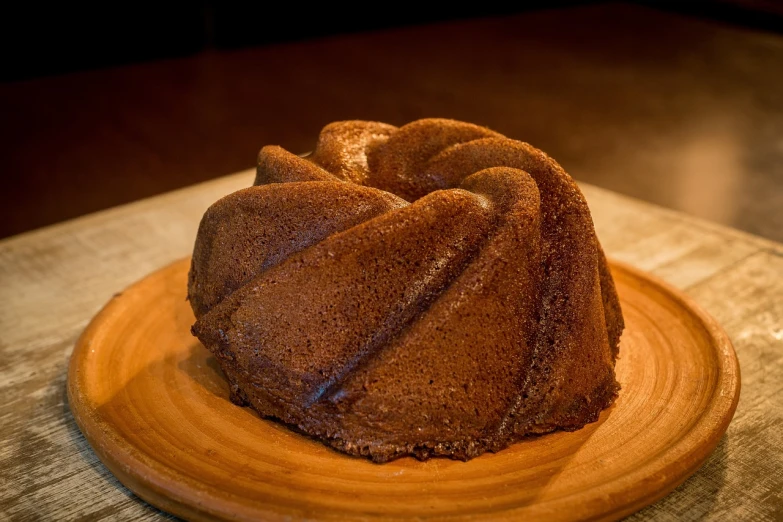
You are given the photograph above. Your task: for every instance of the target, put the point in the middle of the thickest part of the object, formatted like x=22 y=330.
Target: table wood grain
x=53 y=280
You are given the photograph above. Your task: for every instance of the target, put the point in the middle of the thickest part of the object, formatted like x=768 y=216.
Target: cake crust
x=430 y=290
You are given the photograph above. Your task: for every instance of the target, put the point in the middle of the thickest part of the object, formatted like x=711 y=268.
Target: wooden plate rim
x=180 y=495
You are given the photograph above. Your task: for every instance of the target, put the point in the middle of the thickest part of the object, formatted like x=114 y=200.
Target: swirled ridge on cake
x=433 y=289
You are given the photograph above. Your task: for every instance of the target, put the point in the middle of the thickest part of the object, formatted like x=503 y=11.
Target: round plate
x=154 y=405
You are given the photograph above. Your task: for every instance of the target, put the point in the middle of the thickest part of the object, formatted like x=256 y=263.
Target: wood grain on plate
x=153 y=404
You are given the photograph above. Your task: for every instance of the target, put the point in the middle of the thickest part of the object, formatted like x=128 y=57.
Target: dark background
x=40 y=40
x=104 y=105
x=66 y=38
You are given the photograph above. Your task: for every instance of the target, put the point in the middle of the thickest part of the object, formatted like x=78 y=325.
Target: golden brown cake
x=433 y=289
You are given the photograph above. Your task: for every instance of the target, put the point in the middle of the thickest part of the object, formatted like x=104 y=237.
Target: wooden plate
x=154 y=405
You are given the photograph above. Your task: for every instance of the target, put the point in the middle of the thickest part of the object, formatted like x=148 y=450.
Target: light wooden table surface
x=53 y=280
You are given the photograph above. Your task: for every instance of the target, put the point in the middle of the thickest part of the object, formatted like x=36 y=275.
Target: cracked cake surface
x=432 y=289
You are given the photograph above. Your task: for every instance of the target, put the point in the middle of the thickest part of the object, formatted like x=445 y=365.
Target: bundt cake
x=432 y=289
